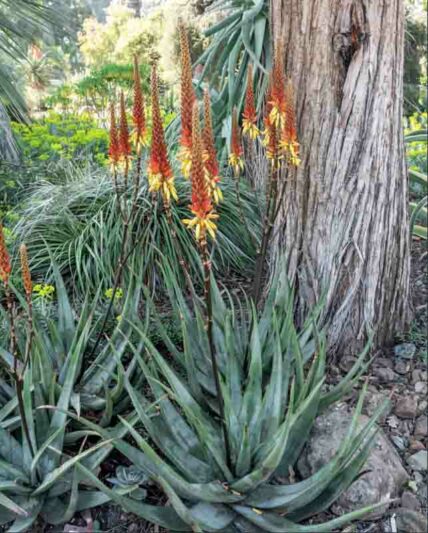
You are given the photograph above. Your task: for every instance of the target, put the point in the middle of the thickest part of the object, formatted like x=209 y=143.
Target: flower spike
x=187 y=101
x=289 y=142
x=201 y=207
x=114 y=149
x=210 y=154
x=26 y=274
x=5 y=264
x=160 y=174
x=139 y=135
x=278 y=104
x=124 y=144
x=249 y=121
x=236 y=151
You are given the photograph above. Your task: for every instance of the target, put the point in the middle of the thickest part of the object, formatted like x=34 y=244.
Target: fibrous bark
x=344 y=222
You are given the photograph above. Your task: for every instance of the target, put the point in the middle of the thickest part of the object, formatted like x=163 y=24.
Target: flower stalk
x=187 y=101
x=203 y=226
x=282 y=146
x=17 y=374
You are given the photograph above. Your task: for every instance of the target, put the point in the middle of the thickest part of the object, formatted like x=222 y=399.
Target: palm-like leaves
x=241 y=38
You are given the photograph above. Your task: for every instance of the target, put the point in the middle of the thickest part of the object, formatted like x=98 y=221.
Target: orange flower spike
x=26 y=274
x=249 y=121
x=187 y=100
x=210 y=154
x=236 y=151
x=201 y=206
x=289 y=142
x=160 y=174
x=5 y=264
x=139 y=135
x=114 y=150
x=278 y=104
x=124 y=144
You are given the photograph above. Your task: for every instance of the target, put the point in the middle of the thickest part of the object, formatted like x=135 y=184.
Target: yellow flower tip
x=202 y=226
x=236 y=162
x=250 y=129
x=185 y=157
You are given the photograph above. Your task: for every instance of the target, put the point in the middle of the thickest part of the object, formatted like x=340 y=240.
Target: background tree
x=344 y=223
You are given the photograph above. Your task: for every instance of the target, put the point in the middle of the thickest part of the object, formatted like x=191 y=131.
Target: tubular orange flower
x=114 y=150
x=249 y=121
x=124 y=144
x=210 y=155
x=5 y=264
x=139 y=135
x=26 y=274
x=160 y=174
x=235 y=156
x=270 y=132
x=187 y=100
x=278 y=104
x=201 y=207
x=289 y=142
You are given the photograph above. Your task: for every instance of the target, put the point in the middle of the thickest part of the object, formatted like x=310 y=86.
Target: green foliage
x=69 y=137
x=120 y=37
x=61 y=337
x=416 y=142
x=242 y=37
x=78 y=220
x=415 y=72
x=41 y=480
x=103 y=85
x=272 y=378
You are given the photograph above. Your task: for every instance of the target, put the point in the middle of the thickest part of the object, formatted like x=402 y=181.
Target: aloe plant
x=65 y=339
x=273 y=385
x=240 y=38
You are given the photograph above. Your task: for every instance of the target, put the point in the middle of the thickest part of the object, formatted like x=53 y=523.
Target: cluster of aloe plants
x=218 y=420
x=272 y=384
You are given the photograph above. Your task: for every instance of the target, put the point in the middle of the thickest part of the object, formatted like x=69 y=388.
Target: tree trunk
x=344 y=223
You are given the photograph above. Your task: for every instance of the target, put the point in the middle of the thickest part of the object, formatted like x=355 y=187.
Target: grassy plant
x=77 y=221
x=272 y=381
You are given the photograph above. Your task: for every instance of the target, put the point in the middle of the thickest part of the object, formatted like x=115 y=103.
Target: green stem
x=209 y=325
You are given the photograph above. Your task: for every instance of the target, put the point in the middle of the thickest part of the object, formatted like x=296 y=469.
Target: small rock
x=418 y=461
x=384 y=474
x=416 y=376
x=384 y=362
x=393 y=422
x=409 y=521
x=406 y=350
x=421 y=387
x=401 y=367
x=373 y=401
x=424 y=375
x=422 y=406
x=421 y=426
x=416 y=445
x=400 y=442
x=384 y=374
x=423 y=492
x=406 y=407
x=409 y=500
x=419 y=478
x=133 y=528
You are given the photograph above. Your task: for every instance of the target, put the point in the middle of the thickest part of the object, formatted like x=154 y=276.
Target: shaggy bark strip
x=344 y=222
